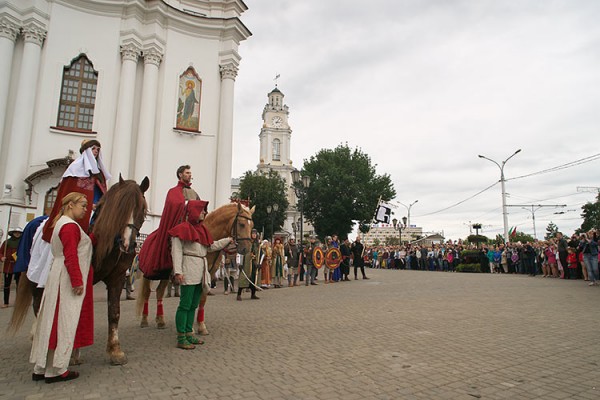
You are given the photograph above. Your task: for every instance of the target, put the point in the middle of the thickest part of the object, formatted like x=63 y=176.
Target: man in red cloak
x=155 y=255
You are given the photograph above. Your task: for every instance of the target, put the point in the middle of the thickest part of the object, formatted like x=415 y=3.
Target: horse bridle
x=131 y=248
x=234 y=230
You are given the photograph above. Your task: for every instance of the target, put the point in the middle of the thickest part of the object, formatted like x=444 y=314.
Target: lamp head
x=295 y=176
x=404 y=219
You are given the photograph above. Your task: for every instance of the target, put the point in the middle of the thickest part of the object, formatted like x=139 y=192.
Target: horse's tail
x=143 y=297
x=22 y=303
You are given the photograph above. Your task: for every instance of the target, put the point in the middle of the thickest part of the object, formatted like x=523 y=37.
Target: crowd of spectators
x=560 y=257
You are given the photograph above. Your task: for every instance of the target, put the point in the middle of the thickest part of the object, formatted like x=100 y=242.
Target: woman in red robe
x=87 y=175
x=66 y=316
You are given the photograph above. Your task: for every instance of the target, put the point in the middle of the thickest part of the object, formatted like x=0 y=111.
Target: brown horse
x=119 y=217
x=231 y=220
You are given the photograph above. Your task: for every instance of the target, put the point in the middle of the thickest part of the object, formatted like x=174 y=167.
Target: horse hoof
x=118 y=358
x=161 y=325
x=144 y=323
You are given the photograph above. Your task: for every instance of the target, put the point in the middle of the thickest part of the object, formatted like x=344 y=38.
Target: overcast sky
x=423 y=87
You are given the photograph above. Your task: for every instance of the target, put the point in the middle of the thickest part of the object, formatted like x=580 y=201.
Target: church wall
x=70 y=33
x=173 y=149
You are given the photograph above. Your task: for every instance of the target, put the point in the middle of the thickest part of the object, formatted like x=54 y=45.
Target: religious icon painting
x=188 y=102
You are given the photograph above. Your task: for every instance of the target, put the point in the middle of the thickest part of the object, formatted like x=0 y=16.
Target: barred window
x=78 y=96
x=50 y=200
x=276 y=150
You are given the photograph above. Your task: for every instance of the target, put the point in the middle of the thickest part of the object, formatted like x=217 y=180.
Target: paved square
x=399 y=335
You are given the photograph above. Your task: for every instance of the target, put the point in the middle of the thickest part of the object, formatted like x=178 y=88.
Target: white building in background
x=152 y=80
x=381 y=232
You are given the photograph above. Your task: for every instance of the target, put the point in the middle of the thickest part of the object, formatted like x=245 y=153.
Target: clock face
x=277 y=122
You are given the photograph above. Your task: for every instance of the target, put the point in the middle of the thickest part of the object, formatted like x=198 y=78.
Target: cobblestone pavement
x=399 y=335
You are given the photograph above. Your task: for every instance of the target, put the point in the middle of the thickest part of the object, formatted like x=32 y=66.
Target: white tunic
x=70 y=304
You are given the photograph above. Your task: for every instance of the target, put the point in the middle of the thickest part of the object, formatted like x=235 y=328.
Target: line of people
x=575 y=258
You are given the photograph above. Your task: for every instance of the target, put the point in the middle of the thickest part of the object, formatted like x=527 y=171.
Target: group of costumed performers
x=66 y=315
x=190 y=243
x=8 y=256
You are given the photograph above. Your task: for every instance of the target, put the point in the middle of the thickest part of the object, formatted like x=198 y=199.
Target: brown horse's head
x=231 y=220
x=121 y=213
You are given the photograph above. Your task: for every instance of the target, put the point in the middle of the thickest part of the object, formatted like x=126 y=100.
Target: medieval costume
x=337 y=273
x=345 y=264
x=311 y=270
x=229 y=269
x=155 y=254
x=291 y=254
x=277 y=259
x=248 y=272
x=66 y=320
x=24 y=249
x=266 y=254
x=190 y=243
x=87 y=175
x=358 y=250
x=8 y=256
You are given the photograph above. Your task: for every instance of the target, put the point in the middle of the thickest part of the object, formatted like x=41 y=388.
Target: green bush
x=468 y=268
x=470 y=256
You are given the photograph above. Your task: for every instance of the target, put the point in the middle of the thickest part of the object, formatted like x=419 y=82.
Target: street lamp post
x=408 y=207
x=502 y=180
x=399 y=225
x=300 y=184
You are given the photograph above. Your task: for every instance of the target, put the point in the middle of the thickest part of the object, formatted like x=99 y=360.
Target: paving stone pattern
x=399 y=335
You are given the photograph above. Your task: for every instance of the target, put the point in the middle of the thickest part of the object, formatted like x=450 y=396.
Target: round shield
x=318 y=257
x=333 y=258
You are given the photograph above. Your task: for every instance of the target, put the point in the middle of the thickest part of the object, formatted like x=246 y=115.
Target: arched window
x=50 y=200
x=78 y=96
x=276 y=150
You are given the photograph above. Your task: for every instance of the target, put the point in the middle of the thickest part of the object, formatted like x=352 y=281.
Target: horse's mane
x=116 y=206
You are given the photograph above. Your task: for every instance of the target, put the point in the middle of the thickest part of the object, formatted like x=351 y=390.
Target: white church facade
x=152 y=80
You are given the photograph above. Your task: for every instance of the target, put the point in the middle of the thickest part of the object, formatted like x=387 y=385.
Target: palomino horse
x=234 y=220
x=119 y=217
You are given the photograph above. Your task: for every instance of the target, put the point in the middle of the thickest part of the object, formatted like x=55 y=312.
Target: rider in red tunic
x=155 y=255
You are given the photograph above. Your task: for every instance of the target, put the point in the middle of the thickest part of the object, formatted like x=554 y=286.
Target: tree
x=590 y=215
x=521 y=237
x=392 y=241
x=265 y=189
x=551 y=231
x=344 y=188
x=376 y=242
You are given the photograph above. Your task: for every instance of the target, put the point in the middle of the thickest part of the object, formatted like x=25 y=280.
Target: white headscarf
x=86 y=165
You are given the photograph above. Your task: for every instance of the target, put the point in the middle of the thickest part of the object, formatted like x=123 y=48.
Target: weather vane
x=276 y=78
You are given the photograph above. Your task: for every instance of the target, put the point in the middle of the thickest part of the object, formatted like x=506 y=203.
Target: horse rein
x=234 y=229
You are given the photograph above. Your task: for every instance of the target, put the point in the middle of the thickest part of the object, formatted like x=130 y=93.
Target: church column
x=225 y=139
x=20 y=134
x=145 y=140
x=121 y=151
x=8 y=35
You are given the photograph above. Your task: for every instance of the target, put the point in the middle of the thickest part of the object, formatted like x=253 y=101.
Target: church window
x=276 y=150
x=50 y=200
x=78 y=96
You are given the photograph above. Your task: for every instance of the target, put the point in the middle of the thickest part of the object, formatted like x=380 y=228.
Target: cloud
x=423 y=87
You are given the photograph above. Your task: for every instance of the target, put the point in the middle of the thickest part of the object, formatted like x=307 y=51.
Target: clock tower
x=275 y=137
